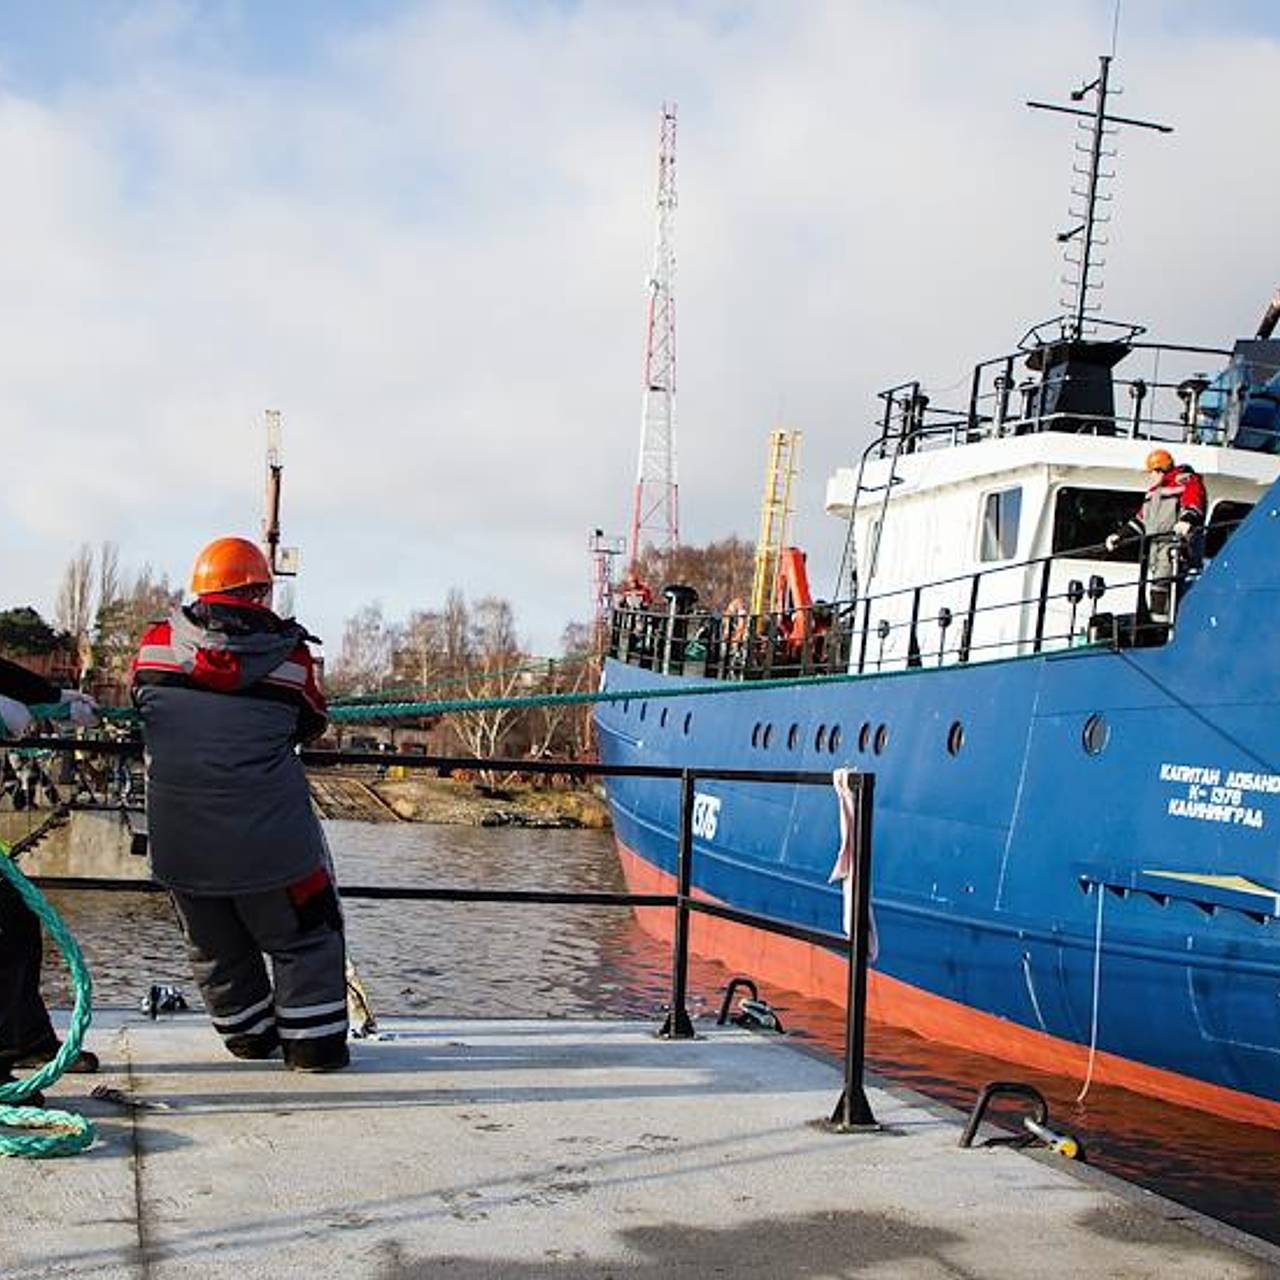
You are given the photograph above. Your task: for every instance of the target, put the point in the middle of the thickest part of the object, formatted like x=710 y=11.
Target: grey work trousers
x=304 y=1008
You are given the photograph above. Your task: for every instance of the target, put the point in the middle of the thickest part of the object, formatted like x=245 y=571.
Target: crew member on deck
x=227 y=690
x=27 y=1037
x=1172 y=518
x=635 y=593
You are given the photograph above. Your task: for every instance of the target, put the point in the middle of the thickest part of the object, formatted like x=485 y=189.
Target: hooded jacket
x=227 y=690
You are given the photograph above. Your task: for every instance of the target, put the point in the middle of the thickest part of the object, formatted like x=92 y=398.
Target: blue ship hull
x=1108 y=812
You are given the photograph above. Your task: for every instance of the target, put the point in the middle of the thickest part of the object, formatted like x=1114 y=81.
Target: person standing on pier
x=27 y=1037
x=227 y=690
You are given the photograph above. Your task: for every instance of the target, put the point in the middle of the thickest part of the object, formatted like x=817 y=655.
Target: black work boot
x=255 y=1047
x=325 y=1053
x=85 y=1063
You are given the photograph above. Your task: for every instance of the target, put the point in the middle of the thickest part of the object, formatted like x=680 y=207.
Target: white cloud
x=427 y=247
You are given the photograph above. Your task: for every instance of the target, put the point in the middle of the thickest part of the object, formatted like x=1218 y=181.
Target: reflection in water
x=478 y=959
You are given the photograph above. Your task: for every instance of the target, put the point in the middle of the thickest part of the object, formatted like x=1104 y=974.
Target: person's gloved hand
x=15 y=719
x=82 y=708
x=1183 y=528
x=1112 y=541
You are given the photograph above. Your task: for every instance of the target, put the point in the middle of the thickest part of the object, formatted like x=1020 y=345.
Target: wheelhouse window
x=1224 y=519
x=1001 y=512
x=1082 y=518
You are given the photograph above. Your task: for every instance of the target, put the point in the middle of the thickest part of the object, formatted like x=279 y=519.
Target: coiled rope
x=69 y=1133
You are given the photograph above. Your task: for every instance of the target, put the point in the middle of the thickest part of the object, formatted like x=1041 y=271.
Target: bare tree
x=494 y=669
x=419 y=657
x=365 y=660
x=456 y=623
x=108 y=574
x=74 y=609
x=556 y=728
x=718 y=572
x=120 y=621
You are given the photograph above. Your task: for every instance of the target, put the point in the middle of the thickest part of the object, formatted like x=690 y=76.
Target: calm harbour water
x=555 y=961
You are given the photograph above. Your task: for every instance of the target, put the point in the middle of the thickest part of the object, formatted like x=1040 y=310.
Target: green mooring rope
x=71 y=1133
x=370 y=712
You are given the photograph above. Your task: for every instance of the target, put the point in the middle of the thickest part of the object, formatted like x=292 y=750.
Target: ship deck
x=473 y=1148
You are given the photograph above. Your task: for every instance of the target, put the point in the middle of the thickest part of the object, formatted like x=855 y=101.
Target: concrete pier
x=461 y=1148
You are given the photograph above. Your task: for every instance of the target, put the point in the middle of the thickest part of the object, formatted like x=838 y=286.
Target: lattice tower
x=655 y=515
x=604 y=549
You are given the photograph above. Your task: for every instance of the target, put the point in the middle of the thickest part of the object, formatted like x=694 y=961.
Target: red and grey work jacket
x=227 y=691
x=1178 y=494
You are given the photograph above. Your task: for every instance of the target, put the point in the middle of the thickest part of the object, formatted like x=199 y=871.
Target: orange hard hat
x=228 y=563
x=1159 y=460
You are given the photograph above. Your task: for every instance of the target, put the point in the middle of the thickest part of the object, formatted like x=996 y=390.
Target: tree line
x=100 y=612
x=459 y=651
x=471 y=652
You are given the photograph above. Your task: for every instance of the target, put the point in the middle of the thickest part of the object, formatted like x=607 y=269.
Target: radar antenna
x=1085 y=232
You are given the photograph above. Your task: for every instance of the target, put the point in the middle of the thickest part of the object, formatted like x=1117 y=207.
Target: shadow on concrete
x=815 y=1244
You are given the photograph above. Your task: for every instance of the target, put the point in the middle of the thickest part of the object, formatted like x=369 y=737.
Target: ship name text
x=1217 y=795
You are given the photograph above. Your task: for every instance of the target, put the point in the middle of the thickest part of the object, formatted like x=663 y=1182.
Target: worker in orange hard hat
x=230 y=564
x=1171 y=517
x=227 y=690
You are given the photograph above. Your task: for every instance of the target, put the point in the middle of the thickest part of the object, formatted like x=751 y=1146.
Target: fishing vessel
x=1076 y=749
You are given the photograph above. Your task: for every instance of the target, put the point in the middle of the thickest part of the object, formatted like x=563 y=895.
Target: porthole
x=755 y=734
x=793 y=736
x=644 y=706
x=688 y=722
x=881 y=739
x=955 y=738
x=768 y=737
x=1096 y=735
x=864 y=736
x=820 y=738
x=833 y=741
x=626 y=706
x=662 y=719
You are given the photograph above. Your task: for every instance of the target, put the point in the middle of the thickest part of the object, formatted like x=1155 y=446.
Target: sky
x=422 y=232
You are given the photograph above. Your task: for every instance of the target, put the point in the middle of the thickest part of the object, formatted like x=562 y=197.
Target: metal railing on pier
x=852 y=1111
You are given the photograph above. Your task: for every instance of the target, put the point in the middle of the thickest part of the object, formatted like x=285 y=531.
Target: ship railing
x=852 y=1111
x=1163 y=400
x=1005 y=610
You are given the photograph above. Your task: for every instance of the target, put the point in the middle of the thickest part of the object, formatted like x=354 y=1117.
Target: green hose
x=71 y=1133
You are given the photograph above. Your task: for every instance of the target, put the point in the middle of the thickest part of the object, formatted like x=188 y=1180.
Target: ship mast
x=1100 y=125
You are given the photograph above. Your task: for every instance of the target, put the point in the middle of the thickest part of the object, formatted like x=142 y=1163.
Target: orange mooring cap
x=228 y=563
x=1159 y=460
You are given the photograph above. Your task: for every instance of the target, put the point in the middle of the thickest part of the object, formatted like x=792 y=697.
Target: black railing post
x=1042 y=604
x=913 y=636
x=677 y=1025
x=866 y=630
x=853 y=1111
x=970 y=617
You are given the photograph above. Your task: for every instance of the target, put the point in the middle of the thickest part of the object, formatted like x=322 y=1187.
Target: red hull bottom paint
x=814 y=971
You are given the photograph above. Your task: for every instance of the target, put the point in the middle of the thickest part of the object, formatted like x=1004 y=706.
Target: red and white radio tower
x=655 y=518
